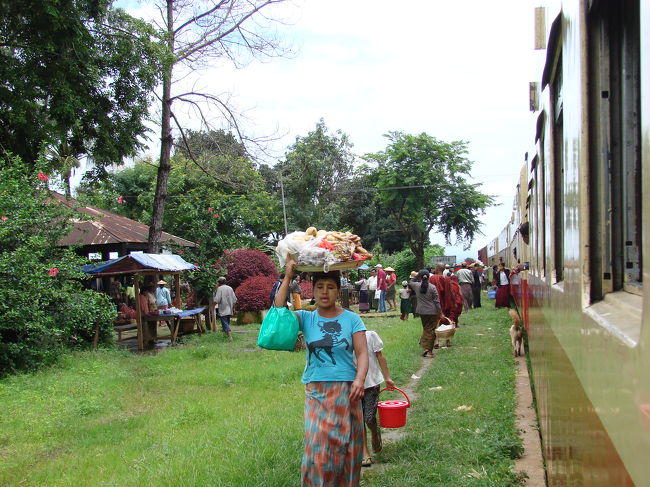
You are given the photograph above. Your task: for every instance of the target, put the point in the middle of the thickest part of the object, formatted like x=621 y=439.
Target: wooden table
x=175 y=318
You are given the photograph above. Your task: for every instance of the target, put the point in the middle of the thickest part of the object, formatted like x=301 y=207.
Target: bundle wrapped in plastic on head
x=320 y=249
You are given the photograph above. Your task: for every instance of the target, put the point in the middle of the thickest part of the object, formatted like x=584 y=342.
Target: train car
x=578 y=239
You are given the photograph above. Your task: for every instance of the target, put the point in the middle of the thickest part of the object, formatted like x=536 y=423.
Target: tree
x=77 y=79
x=196 y=32
x=314 y=172
x=362 y=214
x=422 y=183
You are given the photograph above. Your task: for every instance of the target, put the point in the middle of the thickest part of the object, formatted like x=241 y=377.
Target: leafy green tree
x=422 y=183
x=362 y=214
x=44 y=308
x=77 y=78
x=314 y=173
x=215 y=216
x=127 y=192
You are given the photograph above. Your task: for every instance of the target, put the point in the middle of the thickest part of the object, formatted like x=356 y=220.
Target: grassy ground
x=215 y=413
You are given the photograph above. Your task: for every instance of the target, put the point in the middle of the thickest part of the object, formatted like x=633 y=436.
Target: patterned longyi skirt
x=333 y=436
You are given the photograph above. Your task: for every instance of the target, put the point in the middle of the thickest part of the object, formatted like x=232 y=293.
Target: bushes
x=253 y=294
x=43 y=306
x=241 y=264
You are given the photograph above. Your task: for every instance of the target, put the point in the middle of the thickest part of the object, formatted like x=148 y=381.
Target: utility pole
x=284 y=208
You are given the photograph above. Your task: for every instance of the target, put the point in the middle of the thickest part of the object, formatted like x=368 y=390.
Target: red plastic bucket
x=392 y=414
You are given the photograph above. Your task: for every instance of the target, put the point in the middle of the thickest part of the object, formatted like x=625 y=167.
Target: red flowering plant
x=254 y=293
x=240 y=264
x=53 y=311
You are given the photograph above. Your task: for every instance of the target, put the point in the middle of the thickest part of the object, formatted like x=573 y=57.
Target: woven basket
x=445 y=335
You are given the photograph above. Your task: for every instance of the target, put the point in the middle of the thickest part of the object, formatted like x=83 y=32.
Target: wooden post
x=96 y=337
x=177 y=287
x=212 y=313
x=138 y=311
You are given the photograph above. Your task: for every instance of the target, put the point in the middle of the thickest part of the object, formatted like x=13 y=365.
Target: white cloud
x=456 y=70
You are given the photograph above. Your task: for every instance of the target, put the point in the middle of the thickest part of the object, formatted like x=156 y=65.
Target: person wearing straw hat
x=334 y=378
x=163 y=297
x=414 y=298
x=381 y=287
x=391 y=280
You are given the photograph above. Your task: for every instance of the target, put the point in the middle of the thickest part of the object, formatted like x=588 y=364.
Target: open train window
x=615 y=152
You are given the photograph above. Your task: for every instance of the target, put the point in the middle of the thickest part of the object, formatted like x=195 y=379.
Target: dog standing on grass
x=515 y=332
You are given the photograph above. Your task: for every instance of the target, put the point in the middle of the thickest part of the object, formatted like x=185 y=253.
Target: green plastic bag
x=279 y=330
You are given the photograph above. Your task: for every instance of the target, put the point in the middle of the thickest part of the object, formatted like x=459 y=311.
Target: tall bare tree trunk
x=166 y=141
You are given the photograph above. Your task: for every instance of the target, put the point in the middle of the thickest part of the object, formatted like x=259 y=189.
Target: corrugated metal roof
x=109 y=228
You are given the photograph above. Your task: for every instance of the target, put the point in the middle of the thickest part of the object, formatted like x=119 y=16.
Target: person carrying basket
x=334 y=384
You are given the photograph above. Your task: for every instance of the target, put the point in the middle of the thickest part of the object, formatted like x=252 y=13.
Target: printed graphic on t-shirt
x=331 y=332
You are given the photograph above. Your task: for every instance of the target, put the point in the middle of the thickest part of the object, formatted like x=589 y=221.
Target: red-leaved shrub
x=307 y=291
x=240 y=264
x=254 y=293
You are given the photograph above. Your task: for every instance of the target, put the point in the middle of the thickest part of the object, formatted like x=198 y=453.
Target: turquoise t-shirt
x=330 y=354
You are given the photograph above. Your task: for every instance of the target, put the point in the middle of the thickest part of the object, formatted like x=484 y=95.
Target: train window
x=558 y=173
x=615 y=159
x=541 y=193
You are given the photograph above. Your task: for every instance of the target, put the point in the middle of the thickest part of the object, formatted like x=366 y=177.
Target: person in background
x=445 y=292
x=296 y=291
x=147 y=300
x=466 y=279
x=476 y=286
x=276 y=286
x=163 y=298
x=502 y=279
x=372 y=288
x=414 y=298
x=458 y=300
x=381 y=286
x=364 y=305
x=428 y=309
x=405 y=301
x=345 y=290
x=391 y=291
x=224 y=300
x=447 y=272
x=334 y=384
x=377 y=373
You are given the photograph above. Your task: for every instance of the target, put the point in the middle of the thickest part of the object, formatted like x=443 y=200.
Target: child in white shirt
x=405 y=306
x=377 y=373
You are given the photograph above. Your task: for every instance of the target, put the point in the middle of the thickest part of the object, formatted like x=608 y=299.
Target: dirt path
x=531 y=460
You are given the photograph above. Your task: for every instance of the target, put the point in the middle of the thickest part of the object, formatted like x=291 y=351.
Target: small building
x=107 y=235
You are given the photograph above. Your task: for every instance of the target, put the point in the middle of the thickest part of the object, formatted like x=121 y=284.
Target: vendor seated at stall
x=163 y=297
x=147 y=301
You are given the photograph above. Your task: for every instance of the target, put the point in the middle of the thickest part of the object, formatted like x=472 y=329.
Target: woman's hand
x=288 y=267
x=356 y=390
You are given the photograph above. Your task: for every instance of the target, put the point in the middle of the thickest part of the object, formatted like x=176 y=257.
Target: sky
x=457 y=70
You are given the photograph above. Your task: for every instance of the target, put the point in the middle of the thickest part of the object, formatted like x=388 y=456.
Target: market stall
x=141 y=267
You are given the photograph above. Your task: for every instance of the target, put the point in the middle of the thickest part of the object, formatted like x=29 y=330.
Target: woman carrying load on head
x=428 y=308
x=334 y=385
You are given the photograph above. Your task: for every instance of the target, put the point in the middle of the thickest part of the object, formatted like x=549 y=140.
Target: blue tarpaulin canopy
x=139 y=262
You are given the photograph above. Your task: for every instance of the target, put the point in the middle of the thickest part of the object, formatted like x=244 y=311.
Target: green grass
x=216 y=413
